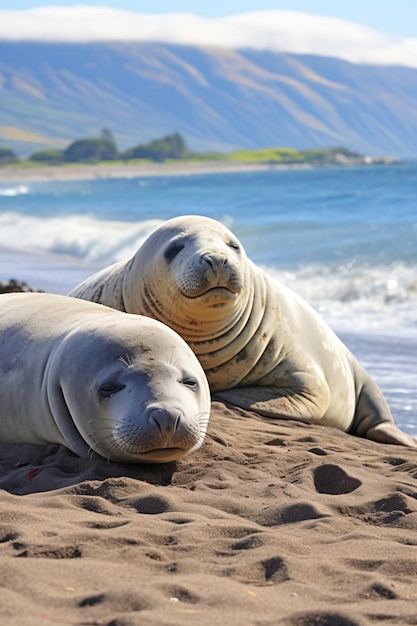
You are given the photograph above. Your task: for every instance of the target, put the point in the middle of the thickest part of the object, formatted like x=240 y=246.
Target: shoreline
x=92 y=172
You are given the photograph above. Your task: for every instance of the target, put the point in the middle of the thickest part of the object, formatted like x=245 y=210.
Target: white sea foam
x=377 y=297
x=18 y=190
x=82 y=237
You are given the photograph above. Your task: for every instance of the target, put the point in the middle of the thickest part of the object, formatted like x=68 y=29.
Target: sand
x=89 y=172
x=270 y=522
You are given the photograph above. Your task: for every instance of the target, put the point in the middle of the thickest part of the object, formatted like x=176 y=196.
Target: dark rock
x=13 y=285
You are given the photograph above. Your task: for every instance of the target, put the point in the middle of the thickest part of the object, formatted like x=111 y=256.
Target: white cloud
x=287 y=31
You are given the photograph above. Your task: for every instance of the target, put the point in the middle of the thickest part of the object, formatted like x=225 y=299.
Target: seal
x=261 y=346
x=94 y=379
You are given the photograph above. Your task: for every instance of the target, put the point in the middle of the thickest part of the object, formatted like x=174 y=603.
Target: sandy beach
x=270 y=522
x=90 y=172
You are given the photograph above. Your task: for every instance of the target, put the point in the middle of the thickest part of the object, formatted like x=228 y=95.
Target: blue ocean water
x=344 y=238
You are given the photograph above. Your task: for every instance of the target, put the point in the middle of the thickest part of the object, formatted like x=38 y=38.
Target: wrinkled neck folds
x=216 y=326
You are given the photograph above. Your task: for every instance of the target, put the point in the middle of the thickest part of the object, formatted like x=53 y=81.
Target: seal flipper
x=373 y=419
x=275 y=402
x=389 y=433
x=65 y=423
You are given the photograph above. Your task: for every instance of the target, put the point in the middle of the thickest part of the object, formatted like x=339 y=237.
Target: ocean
x=345 y=239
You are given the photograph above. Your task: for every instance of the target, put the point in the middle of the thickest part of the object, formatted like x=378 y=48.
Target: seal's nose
x=167 y=420
x=215 y=261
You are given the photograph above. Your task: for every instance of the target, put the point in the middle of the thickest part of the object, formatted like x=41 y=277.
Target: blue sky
x=395 y=17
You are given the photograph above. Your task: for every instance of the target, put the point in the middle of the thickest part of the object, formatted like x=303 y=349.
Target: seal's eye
x=234 y=245
x=172 y=251
x=190 y=382
x=108 y=389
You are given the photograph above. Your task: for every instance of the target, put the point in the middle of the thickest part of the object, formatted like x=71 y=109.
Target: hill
x=218 y=99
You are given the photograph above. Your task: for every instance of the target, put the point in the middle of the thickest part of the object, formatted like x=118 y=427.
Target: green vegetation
x=268 y=155
x=7 y=156
x=169 y=147
x=48 y=156
x=173 y=148
x=329 y=155
x=321 y=156
x=90 y=150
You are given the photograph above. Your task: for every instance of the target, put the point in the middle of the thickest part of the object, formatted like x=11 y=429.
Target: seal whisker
x=91 y=452
x=125 y=361
x=104 y=439
x=92 y=432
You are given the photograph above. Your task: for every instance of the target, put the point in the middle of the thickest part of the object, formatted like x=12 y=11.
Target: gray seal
x=262 y=347
x=95 y=379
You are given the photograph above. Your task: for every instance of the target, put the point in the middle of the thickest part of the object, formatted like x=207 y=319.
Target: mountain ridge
x=218 y=99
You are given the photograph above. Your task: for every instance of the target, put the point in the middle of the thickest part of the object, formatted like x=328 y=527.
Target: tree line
x=104 y=148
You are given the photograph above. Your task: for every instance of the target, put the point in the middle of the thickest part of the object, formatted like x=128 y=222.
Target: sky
x=360 y=31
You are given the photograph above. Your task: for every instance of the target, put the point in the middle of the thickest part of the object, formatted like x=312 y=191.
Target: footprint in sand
x=333 y=480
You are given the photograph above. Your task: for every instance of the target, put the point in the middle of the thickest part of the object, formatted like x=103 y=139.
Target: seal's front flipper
x=389 y=433
x=273 y=402
x=373 y=419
